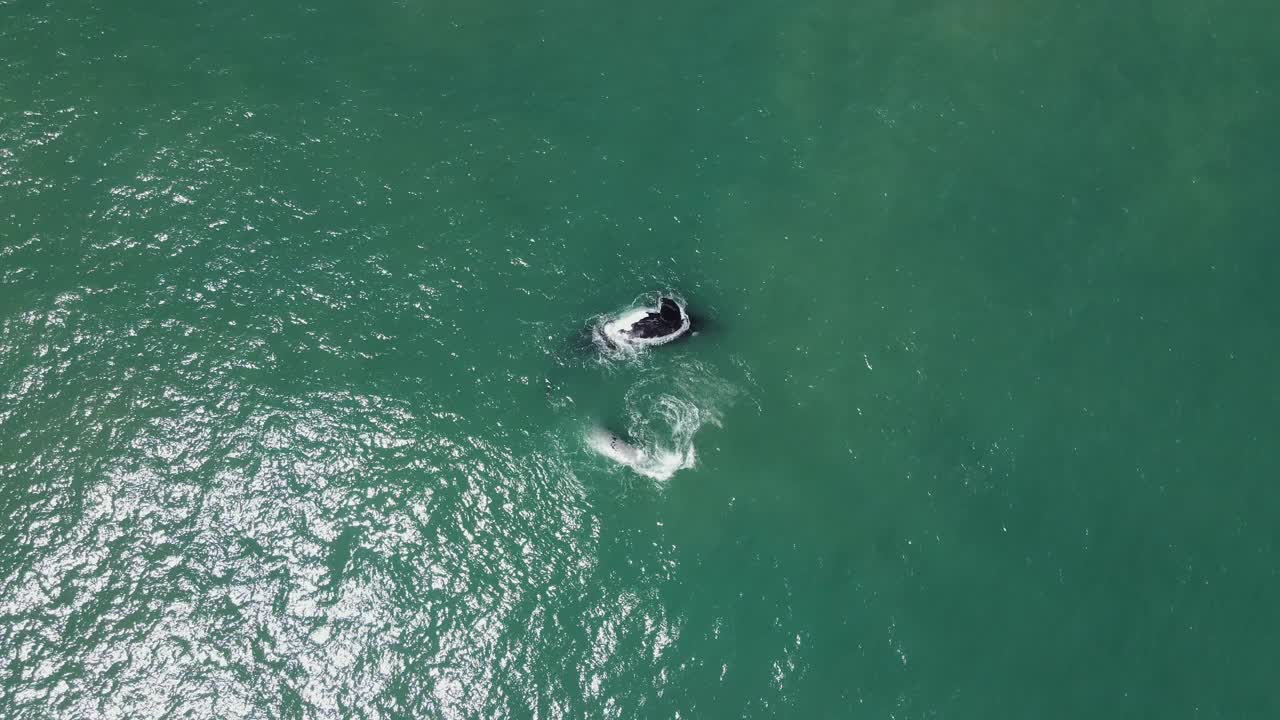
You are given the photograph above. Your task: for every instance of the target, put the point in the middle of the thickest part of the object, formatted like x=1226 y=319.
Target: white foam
x=652 y=462
x=664 y=414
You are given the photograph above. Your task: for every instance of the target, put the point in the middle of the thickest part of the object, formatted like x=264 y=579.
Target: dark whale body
x=646 y=326
x=662 y=323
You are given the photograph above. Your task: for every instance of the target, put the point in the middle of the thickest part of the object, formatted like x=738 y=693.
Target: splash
x=663 y=416
x=658 y=463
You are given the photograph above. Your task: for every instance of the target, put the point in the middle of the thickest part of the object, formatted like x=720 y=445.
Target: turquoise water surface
x=295 y=397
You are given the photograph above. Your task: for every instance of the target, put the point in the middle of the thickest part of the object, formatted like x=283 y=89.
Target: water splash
x=664 y=413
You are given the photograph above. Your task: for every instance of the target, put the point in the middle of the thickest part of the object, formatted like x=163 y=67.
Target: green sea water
x=294 y=400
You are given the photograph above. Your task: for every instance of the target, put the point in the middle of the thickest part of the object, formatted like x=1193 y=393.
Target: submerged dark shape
x=646 y=326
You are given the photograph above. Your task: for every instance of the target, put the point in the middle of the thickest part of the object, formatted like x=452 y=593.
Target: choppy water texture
x=294 y=401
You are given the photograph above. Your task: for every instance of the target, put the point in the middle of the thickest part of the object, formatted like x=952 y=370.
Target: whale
x=646 y=326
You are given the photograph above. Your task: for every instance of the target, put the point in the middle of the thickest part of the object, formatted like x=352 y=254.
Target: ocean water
x=296 y=408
